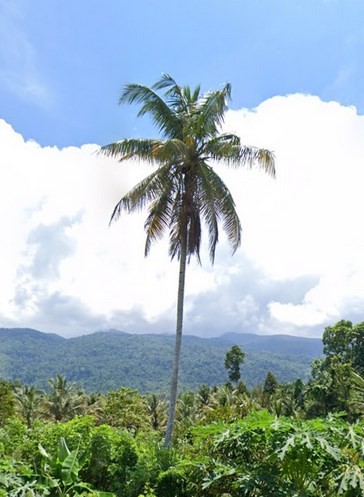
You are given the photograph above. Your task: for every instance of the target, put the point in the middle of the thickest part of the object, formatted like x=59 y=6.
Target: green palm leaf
x=164 y=118
x=210 y=115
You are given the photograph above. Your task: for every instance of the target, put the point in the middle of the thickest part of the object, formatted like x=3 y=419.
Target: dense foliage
x=264 y=456
x=292 y=439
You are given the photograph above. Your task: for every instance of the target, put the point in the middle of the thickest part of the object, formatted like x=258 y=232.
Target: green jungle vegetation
x=281 y=439
x=105 y=361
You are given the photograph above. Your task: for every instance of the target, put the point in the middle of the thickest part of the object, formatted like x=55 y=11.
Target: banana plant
x=60 y=473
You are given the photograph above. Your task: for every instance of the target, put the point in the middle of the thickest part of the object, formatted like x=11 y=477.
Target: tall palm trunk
x=178 y=342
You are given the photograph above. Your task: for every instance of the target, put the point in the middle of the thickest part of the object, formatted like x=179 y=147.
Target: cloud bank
x=300 y=267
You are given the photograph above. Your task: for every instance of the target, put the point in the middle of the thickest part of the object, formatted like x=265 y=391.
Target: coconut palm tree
x=184 y=190
x=64 y=401
x=28 y=401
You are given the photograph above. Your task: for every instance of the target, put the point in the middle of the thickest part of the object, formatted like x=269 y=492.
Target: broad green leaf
x=70 y=468
x=43 y=451
x=63 y=450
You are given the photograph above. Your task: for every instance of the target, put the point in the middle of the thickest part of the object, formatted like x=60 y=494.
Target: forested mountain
x=310 y=347
x=104 y=361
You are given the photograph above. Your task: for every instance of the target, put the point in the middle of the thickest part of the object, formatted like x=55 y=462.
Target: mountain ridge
x=106 y=360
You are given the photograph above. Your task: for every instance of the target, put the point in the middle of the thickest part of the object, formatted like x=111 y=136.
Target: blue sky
x=64 y=62
x=296 y=69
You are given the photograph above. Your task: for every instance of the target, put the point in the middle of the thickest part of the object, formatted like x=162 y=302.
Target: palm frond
x=167 y=81
x=152 y=151
x=173 y=151
x=194 y=232
x=183 y=223
x=178 y=101
x=158 y=220
x=163 y=116
x=208 y=210
x=177 y=225
x=218 y=205
x=266 y=161
x=133 y=149
x=191 y=96
x=222 y=147
x=143 y=193
x=210 y=114
x=164 y=82
x=227 y=148
x=196 y=93
x=252 y=156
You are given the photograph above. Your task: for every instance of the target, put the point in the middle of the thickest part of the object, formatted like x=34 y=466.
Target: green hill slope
x=105 y=361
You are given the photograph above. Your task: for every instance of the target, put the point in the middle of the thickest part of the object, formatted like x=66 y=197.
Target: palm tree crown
x=185 y=189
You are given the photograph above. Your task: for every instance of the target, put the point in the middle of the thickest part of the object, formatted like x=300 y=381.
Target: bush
x=111 y=458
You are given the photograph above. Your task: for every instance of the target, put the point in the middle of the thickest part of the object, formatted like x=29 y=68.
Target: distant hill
x=105 y=361
x=310 y=347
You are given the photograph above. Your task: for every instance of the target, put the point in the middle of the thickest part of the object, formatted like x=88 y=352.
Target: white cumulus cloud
x=300 y=267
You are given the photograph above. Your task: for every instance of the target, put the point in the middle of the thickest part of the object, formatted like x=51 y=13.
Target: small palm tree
x=184 y=190
x=28 y=401
x=64 y=401
x=157 y=411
